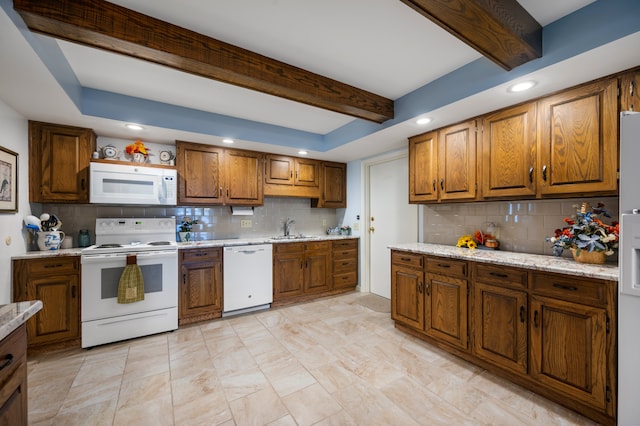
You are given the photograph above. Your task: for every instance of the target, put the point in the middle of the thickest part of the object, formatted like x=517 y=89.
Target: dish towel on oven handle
x=131 y=285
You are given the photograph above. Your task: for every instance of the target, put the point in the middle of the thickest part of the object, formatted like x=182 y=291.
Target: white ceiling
x=381 y=46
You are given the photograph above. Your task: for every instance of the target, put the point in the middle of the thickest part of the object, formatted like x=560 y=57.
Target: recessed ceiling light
x=132 y=126
x=302 y=152
x=227 y=140
x=422 y=121
x=521 y=87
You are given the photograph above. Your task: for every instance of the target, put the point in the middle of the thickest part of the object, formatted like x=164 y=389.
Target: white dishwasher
x=247 y=278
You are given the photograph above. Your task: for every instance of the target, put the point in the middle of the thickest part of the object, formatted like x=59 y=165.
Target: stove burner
x=159 y=243
x=101 y=246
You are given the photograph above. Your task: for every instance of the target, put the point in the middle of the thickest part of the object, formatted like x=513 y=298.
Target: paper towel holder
x=241 y=210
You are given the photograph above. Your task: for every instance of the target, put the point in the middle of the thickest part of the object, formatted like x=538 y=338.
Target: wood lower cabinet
x=59 y=159
x=13 y=378
x=500 y=306
x=345 y=264
x=200 y=295
x=56 y=282
x=554 y=334
x=301 y=269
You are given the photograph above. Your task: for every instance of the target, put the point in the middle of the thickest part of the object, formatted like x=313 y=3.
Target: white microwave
x=132 y=184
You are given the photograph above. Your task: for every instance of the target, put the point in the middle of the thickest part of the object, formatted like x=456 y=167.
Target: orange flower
x=135 y=147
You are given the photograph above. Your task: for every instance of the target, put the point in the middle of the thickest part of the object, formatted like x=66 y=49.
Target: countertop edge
x=608 y=271
x=13 y=315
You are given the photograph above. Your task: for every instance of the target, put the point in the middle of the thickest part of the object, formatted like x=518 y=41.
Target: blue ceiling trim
x=593 y=26
x=49 y=52
x=114 y=106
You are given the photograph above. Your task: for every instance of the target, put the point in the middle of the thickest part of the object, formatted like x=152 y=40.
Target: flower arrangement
x=467 y=241
x=137 y=147
x=187 y=223
x=586 y=231
x=345 y=230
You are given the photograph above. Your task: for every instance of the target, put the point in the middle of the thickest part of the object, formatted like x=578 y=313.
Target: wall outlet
x=356 y=226
x=324 y=222
x=245 y=223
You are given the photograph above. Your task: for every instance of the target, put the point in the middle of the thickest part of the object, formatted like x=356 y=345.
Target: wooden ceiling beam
x=501 y=30
x=104 y=25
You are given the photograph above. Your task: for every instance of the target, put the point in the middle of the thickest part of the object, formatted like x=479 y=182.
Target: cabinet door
x=307 y=172
x=579 y=140
x=288 y=275
x=200 y=173
x=59 y=162
x=200 y=290
x=407 y=298
x=446 y=309
x=59 y=318
x=457 y=162
x=243 y=178
x=423 y=168
x=279 y=169
x=333 y=186
x=568 y=349
x=500 y=326
x=629 y=95
x=509 y=152
x=317 y=271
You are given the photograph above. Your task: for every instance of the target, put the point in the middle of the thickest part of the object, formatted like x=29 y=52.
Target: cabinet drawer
x=500 y=275
x=53 y=266
x=12 y=351
x=288 y=248
x=408 y=259
x=344 y=265
x=345 y=245
x=318 y=245
x=345 y=280
x=447 y=266
x=199 y=255
x=345 y=254
x=572 y=289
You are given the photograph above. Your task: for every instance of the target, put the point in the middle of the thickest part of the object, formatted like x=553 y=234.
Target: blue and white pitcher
x=50 y=240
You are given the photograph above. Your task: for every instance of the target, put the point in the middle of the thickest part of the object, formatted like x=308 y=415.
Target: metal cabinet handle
x=498 y=274
x=535 y=319
x=442 y=184
x=220 y=192
x=426 y=289
x=522 y=312
x=544 y=173
x=443 y=265
x=55 y=265
x=565 y=287
x=73 y=292
x=419 y=288
x=531 y=175
x=184 y=279
x=82 y=184
x=8 y=360
x=434 y=185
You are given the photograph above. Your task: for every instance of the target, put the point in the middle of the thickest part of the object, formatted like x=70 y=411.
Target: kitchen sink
x=295 y=237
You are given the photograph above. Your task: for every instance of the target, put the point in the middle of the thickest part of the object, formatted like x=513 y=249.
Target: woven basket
x=595 y=257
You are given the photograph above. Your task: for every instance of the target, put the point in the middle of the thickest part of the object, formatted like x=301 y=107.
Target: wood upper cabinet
x=212 y=175
x=291 y=176
x=200 y=295
x=55 y=282
x=578 y=132
x=423 y=168
x=457 y=161
x=59 y=159
x=509 y=152
x=333 y=186
x=568 y=349
x=630 y=91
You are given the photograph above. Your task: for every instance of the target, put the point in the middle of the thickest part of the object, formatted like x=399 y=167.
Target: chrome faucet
x=287 y=226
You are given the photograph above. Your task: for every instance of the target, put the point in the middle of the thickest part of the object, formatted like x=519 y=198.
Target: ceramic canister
x=50 y=240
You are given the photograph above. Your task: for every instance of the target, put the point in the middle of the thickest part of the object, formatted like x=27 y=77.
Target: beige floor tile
x=333 y=376
x=156 y=412
x=100 y=370
x=244 y=383
x=145 y=367
x=210 y=409
x=190 y=364
x=339 y=419
x=92 y=393
x=258 y=408
x=138 y=392
x=98 y=414
x=234 y=362
x=283 y=421
x=287 y=375
x=223 y=345
x=311 y=404
x=192 y=387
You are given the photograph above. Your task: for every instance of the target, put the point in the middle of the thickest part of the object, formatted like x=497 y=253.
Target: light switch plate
x=245 y=223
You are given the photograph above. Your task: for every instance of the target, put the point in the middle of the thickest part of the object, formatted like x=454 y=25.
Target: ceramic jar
x=50 y=240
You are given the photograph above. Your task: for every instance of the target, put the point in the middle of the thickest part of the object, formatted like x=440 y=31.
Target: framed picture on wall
x=8 y=181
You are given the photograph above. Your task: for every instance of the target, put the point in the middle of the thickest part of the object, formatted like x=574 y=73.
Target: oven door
x=101 y=275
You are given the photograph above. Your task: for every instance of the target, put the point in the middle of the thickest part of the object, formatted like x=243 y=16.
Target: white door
x=391 y=218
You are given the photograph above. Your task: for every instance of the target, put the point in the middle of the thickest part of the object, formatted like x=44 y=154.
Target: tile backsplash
x=213 y=222
x=522 y=225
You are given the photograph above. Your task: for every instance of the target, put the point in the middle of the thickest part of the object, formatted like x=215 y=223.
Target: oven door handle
x=155 y=255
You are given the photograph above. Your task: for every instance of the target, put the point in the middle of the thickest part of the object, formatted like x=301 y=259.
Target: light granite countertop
x=608 y=271
x=13 y=315
x=196 y=244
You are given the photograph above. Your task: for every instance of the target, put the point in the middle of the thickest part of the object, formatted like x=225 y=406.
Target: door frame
x=365 y=282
